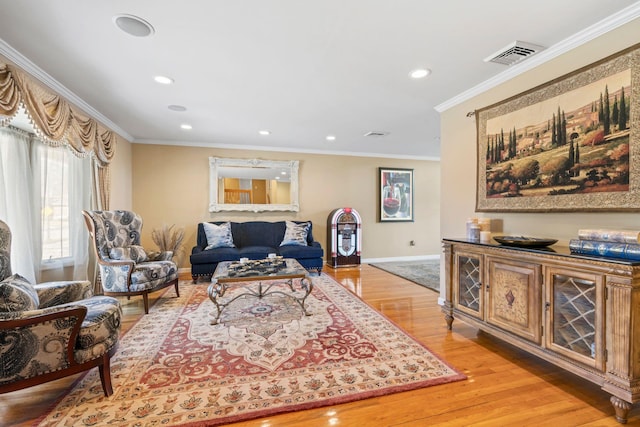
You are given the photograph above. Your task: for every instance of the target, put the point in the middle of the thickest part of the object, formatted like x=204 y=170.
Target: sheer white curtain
x=81 y=186
x=24 y=182
x=16 y=200
x=61 y=177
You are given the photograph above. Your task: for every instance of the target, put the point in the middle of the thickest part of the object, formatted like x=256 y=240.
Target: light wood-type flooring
x=505 y=386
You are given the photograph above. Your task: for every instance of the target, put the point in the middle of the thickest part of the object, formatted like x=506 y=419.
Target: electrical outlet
x=412 y=242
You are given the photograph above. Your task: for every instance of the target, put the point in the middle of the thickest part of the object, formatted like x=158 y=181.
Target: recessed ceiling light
x=177 y=108
x=420 y=73
x=186 y=126
x=264 y=132
x=330 y=138
x=133 y=25
x=163 y=80
x=283 y=173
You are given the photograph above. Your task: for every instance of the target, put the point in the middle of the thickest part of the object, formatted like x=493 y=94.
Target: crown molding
x=283 y=149
x=38 y=73
x=610 y=23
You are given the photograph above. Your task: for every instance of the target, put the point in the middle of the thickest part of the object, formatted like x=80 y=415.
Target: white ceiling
x=299 y=68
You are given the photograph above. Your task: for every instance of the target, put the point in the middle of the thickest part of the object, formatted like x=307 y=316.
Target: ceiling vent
x=376 y=133
x=514 y=53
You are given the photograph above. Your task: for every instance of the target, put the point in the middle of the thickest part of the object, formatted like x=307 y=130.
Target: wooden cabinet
x=581 y=313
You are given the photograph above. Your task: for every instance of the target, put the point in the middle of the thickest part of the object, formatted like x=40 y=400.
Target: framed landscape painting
x=395 y=196
x=572 y=144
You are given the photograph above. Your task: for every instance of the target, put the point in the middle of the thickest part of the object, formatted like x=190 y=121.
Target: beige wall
x=120 y=170
x=458 y=158
x=171 y=186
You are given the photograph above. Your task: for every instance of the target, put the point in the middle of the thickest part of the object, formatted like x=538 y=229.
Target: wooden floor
x=505 y=386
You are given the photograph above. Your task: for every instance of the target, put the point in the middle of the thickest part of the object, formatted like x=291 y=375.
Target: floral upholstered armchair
x=52 y=330
x=125 y=267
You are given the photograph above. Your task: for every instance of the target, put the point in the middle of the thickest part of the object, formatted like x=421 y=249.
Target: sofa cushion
x=295 y=234
x=301 y=252
x=215 y=256
x=17 y=294
x=260 y=233
x=256 y=252
x=135 y=253
x=218 y=236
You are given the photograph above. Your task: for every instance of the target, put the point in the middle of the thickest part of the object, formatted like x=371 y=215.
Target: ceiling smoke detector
x=513 y=53
x=376 y=133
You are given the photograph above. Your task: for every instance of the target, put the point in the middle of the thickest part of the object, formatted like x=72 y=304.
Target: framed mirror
x=253 y=185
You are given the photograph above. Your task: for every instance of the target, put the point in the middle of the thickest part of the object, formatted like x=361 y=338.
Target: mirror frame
x=216 y=162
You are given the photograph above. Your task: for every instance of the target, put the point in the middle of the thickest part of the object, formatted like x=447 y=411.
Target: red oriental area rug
x=174 y=368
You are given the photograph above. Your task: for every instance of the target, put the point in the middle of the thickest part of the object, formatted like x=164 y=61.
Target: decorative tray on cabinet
x=524 y=242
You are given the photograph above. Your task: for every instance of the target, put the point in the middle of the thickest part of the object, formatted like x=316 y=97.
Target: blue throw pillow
x=218 y=236
x=296 y=234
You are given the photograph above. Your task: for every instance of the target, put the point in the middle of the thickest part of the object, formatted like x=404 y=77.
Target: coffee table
x=269 y=276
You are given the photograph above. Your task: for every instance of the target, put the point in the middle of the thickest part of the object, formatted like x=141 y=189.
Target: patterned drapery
x=55 y=120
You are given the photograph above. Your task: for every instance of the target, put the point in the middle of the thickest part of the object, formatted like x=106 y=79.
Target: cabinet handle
x=546 y=306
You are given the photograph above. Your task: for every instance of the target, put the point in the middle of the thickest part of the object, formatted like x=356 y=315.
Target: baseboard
x=400 y=259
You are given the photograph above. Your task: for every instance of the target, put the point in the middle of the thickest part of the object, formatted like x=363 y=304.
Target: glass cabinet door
x=468 y=283
x=574 y=316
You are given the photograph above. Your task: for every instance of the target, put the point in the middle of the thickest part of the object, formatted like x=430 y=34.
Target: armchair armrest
x=31 y=334
x=116 y=275
x=56 y=293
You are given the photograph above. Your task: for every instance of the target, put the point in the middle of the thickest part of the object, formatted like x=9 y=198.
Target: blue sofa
x=253 y=240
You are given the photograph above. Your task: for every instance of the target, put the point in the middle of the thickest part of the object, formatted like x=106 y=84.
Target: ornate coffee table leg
x=306 y=285
x=216 y=290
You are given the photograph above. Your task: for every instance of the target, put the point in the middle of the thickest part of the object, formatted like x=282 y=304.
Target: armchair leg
x=177 y=289
x=105 y=375
x=145 y=298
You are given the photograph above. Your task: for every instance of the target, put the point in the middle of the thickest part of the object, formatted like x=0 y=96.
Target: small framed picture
x=395 y=196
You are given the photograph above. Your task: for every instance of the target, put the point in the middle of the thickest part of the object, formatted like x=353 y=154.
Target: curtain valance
x=55 y=120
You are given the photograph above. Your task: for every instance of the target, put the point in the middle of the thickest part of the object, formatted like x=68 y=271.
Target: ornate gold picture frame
x=572 y=144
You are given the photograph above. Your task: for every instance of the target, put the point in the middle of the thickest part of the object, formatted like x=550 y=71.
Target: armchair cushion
x=218 y=236
x=149 y=275
x=100 y=327
x=135 y=253
x=295 y=234
x=17 y=294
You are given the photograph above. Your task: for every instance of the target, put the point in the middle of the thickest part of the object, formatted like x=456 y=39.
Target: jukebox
x=344 y=228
